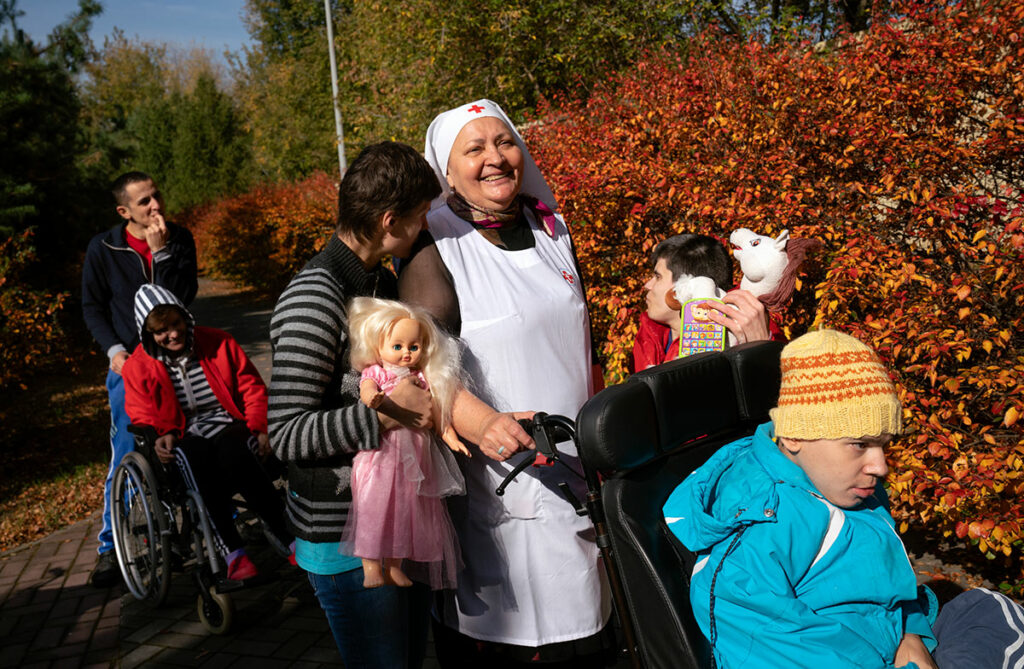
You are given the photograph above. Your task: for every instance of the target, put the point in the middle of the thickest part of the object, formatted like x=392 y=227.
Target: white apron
x=532 y=575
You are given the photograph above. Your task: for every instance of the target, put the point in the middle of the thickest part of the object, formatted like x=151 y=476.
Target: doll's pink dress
x=398 y=510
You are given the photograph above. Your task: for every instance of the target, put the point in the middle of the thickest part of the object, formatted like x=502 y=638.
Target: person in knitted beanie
x=797 y=560
x=837 y=412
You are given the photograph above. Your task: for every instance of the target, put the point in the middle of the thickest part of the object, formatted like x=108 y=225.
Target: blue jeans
x=375 y=628
x=121 y=442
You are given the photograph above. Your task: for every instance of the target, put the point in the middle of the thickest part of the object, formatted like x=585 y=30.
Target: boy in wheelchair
x=798 y=563
x=208 y=405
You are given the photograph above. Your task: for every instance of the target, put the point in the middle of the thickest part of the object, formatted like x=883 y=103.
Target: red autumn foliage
x=902 y=149
x=263 y=237
x=31 y=336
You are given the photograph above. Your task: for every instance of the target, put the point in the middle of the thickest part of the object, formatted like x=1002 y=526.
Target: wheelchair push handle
x=147 y=432
x=547 y=430
x=543 y=455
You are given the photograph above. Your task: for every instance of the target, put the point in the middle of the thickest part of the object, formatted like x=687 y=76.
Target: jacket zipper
x=142 y=261
x=186 y=385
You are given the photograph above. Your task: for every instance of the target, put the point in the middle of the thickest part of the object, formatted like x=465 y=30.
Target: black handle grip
x=547 y=430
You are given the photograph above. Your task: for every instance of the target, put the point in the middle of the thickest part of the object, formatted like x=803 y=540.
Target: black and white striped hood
x=148 y=297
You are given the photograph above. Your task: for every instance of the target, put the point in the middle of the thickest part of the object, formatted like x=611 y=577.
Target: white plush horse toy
x=770 y=266
x=762 y=259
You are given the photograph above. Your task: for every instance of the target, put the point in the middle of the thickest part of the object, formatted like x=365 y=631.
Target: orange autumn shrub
x=31 y=336
x=902 y=149
x=261 y=238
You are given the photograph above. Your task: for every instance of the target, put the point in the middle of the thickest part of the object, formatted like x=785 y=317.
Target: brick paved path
x=278 y=624
x=51 y=617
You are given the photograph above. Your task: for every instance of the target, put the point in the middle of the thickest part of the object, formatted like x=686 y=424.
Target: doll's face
x=699 y=313
x=403 y=346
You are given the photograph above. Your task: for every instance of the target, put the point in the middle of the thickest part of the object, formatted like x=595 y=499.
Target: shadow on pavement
x=277 y=621
x=244 y=314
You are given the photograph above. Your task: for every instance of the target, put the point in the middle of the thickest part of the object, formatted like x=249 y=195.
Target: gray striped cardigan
x=317 y=422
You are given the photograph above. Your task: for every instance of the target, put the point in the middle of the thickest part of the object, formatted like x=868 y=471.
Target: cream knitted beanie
x=833 y=386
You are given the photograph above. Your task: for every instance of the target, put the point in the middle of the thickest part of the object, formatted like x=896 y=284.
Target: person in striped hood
x=195 y=386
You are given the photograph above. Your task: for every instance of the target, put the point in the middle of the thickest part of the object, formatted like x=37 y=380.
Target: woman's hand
x=912 y=649
x=742 y=314
x=164 y=447
x=408 y=405
x=503 y=436
x=497 y=434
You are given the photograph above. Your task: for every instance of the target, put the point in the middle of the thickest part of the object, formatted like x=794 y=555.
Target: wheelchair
x=161 y=526
x=637 y=441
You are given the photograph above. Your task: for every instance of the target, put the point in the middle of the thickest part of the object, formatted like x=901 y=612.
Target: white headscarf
x=445 y=128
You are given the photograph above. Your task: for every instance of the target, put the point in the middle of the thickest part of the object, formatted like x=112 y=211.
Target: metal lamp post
x=342 y=165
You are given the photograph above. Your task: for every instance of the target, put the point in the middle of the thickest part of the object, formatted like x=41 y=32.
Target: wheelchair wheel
x=141 y=537
x=216 y=611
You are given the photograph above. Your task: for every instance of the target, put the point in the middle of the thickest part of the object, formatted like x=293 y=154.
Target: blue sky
x=214 y=24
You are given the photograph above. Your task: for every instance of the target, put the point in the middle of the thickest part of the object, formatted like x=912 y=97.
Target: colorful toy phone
x=697 y=332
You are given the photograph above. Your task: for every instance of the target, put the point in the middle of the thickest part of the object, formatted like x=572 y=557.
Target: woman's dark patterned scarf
x=487 y=219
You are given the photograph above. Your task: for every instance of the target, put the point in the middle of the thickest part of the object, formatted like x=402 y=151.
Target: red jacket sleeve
x=249 y=387
x=232 y=377
x=651 y=341
x=149 y=397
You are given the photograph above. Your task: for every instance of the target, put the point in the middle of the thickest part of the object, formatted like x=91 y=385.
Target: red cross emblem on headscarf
x=476 y=109
x=568 y=277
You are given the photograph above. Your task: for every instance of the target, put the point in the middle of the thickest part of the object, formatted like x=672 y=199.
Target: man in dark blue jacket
x=143 y=249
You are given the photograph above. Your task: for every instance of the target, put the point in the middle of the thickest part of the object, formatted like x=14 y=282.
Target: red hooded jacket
x=149 y=393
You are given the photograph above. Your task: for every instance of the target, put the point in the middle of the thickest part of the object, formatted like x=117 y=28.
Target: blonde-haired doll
x=397 y=508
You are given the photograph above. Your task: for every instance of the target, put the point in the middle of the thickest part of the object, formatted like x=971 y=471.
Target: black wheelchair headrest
x=757 y=375
x=616 y=416
x=666 y=406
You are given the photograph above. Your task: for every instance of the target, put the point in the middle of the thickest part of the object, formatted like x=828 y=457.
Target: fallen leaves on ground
x=53 y=437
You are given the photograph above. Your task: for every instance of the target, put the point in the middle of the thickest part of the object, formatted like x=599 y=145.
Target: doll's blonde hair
x=370 y=321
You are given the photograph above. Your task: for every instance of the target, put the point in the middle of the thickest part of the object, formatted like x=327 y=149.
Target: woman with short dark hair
x=317 y=423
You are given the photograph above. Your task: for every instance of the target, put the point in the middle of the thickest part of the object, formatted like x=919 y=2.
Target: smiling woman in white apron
x=498 y=270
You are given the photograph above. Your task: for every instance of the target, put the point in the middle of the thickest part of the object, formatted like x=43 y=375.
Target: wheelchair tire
x=216 y=611
x=141 y=538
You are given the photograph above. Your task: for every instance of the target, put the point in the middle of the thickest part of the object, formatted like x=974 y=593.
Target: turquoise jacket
x=792 y=580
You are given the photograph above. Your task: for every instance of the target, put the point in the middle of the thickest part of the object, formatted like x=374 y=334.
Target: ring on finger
x=501 y=449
